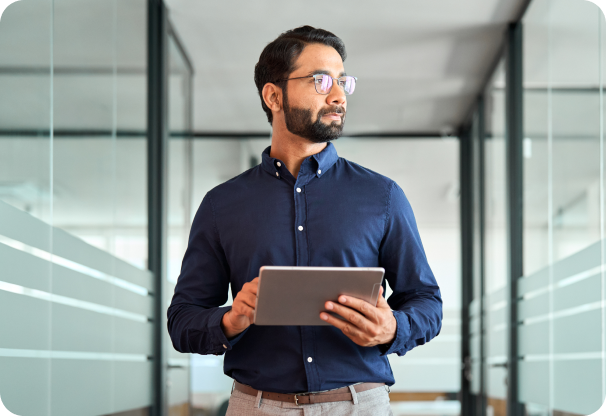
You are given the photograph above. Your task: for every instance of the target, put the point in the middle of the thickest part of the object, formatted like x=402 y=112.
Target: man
x=304 y=206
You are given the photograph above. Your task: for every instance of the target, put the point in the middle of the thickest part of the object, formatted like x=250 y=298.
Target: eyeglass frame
x=320 y=75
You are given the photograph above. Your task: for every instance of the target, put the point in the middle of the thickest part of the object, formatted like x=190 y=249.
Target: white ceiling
x=419 y=63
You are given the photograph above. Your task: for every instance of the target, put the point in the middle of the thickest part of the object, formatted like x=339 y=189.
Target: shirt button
x=300 y=228
x=277 y=174
x=319 y=171
x=279 y=164
x=224 y=346
x=299 y=190
x=309 y=359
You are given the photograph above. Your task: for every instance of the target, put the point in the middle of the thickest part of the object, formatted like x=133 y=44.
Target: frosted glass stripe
x=580 y=276
x=566 y=282
x=535 y=281
x=206 y=361
x=64 y=300
x=499 y=327
x=563 y=357
x=179 y=362
x=577 y=263
x=499 y=305
x=53 y=258
x=23 y=227
x=566 y=312
x=496 y=359
x=447 y=338
x=71 y=247
x=535 y=293
x=70 y=355
x=427 y=361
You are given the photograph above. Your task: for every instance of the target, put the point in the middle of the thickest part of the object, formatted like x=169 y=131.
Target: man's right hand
x=242 y=310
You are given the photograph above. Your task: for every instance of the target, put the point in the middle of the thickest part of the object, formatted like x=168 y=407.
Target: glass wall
x=76 y=310
x=180 y=176
x=561 y=306
x=496 y=288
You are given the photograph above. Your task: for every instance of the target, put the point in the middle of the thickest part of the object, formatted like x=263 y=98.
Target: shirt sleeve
x=195 y=313
x=416 y=300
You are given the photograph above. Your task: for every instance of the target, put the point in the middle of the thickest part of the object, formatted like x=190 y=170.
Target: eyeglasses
x=323 y=83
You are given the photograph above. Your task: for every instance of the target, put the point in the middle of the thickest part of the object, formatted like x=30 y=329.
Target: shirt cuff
x=222 y=344
x=402 y=335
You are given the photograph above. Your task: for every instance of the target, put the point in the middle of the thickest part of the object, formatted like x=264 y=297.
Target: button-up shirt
x=334 y=213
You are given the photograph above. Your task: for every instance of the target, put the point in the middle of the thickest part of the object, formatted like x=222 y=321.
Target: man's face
x=318 y=118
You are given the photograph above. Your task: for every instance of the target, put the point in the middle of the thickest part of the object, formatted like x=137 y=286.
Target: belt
x=339 y=395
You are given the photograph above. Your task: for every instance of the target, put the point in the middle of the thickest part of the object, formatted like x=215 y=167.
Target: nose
x=336 y=96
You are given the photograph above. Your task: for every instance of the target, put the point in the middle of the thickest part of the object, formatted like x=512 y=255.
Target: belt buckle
x=297 y=398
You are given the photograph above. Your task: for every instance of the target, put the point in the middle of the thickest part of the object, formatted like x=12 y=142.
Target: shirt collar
x=323 y=161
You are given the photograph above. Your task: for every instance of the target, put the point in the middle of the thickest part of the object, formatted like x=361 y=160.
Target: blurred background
x=117 y=116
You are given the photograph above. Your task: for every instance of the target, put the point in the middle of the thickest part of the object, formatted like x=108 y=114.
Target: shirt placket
x=302 y=242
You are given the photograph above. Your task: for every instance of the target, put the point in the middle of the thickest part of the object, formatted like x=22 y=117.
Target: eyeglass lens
x=324 y=84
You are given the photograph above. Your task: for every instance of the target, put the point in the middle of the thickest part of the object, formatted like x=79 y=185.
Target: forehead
x=318 y=57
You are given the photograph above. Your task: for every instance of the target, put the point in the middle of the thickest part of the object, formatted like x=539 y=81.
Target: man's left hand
x=364 y=324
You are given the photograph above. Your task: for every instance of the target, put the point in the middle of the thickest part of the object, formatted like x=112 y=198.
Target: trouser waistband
x=339 y=395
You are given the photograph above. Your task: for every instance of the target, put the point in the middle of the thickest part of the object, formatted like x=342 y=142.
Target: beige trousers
x=373 y=402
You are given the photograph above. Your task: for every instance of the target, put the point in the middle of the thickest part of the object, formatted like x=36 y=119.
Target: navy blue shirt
x=335 y=213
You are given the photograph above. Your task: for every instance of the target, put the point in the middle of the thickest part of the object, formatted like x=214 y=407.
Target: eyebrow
x=326 y=72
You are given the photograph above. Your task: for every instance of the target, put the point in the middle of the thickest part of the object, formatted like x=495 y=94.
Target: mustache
x=337 y=109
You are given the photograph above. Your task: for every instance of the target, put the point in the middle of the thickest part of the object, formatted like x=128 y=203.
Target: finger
x=247 y=298
x=346 y=327
x=251 y=286
x=360 y=305
x=350 y=315
x=242 y=309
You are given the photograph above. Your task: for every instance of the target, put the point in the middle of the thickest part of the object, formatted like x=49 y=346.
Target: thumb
x=382 y=302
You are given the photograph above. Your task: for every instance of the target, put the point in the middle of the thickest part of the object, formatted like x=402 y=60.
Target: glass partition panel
x=180 y=176
x=75 y=296
x=25 y=187
x=25 y=107
x=496 y=286
x=561 y=332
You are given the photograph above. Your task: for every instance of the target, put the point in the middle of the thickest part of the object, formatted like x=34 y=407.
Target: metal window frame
x=513 y=53
x=514 y=101
x=157 y=164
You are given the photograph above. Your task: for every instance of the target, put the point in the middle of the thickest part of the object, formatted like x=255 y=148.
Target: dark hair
x=277 y=59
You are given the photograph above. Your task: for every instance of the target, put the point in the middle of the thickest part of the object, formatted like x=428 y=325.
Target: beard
x=298 y=121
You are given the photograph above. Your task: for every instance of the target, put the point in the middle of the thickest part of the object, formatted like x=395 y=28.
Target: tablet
x=296 y=295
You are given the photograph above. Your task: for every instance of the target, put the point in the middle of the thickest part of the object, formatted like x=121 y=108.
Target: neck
x=292 y=149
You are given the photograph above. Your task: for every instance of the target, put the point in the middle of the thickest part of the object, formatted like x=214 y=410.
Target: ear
x=272 y=95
